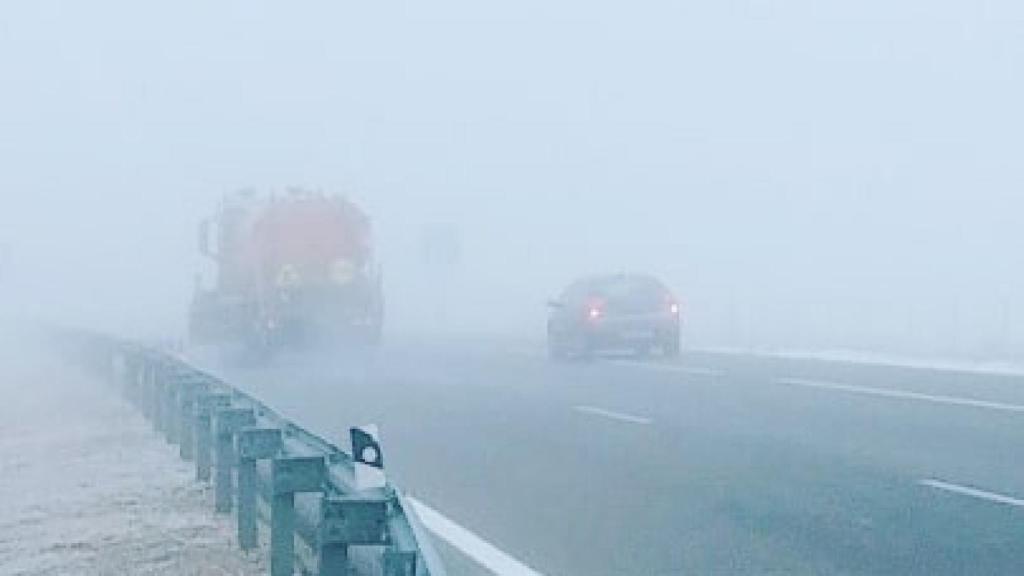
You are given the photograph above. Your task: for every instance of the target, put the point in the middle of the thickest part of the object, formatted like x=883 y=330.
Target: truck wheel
x=672 y=347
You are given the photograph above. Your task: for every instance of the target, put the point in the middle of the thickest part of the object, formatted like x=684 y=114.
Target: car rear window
x=631 y=292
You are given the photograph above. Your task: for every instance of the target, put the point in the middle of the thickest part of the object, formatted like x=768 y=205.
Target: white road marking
x=972 y=492
x=680 y=368
x=481 y=551
x=904 y=395
x=621 y=417
x=869 y=359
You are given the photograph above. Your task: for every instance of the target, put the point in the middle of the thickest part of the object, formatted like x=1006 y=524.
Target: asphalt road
x=712 y=464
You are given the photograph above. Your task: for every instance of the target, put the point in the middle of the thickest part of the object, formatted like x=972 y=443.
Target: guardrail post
x=172 y=389
x=349 y=521
x=145 y=385
x=206 y=404
x=252 y=444
x=190 y=389
x=138 y=377
x=148 y=375
x=399 y=563
x=156 y=398
x=228 y=422
x=288 y=476
x=282 y=534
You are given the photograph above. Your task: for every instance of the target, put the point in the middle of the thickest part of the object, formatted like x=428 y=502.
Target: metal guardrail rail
x=259 y=461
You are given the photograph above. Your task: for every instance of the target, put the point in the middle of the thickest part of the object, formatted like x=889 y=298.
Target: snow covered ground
x=86 y=488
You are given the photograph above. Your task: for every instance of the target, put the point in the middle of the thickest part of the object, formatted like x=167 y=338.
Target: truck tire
x=671 y=346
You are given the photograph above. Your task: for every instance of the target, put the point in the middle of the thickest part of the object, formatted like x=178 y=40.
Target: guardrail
x=267 y=469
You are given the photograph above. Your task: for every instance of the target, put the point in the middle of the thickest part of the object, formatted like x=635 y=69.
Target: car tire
x=585 y=349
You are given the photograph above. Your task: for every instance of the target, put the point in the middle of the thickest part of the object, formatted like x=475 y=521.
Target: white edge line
x=862 y=358
x=904 y=395
x=620 y=416
x=972 y=492
x=473 y=546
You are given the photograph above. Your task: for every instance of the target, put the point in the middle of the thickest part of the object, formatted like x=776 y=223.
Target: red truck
x=290 y=269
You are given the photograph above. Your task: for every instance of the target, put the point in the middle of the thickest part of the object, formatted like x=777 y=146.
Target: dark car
x=617 y=312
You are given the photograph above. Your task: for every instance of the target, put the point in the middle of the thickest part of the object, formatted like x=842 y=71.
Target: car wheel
x=556 y=351
x=585 y=348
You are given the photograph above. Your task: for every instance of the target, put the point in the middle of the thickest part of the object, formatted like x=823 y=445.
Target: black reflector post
x=368 y=458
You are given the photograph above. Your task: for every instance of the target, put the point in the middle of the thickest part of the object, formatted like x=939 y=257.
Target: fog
x=805 y=175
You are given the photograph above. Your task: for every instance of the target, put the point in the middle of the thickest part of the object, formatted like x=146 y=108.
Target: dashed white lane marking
x=972 y=492
x=611 y=414
x=903 y=395
x=679 y=368
x=473 y=546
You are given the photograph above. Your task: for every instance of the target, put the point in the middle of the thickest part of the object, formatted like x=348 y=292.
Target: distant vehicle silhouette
x=614 y=312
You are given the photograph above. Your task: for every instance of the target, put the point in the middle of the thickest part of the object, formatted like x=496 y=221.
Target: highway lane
x=716 y=464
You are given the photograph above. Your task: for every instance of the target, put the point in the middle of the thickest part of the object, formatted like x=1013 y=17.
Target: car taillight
x=594 y=310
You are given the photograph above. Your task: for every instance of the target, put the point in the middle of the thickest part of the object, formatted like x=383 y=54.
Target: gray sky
x=805 y=174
